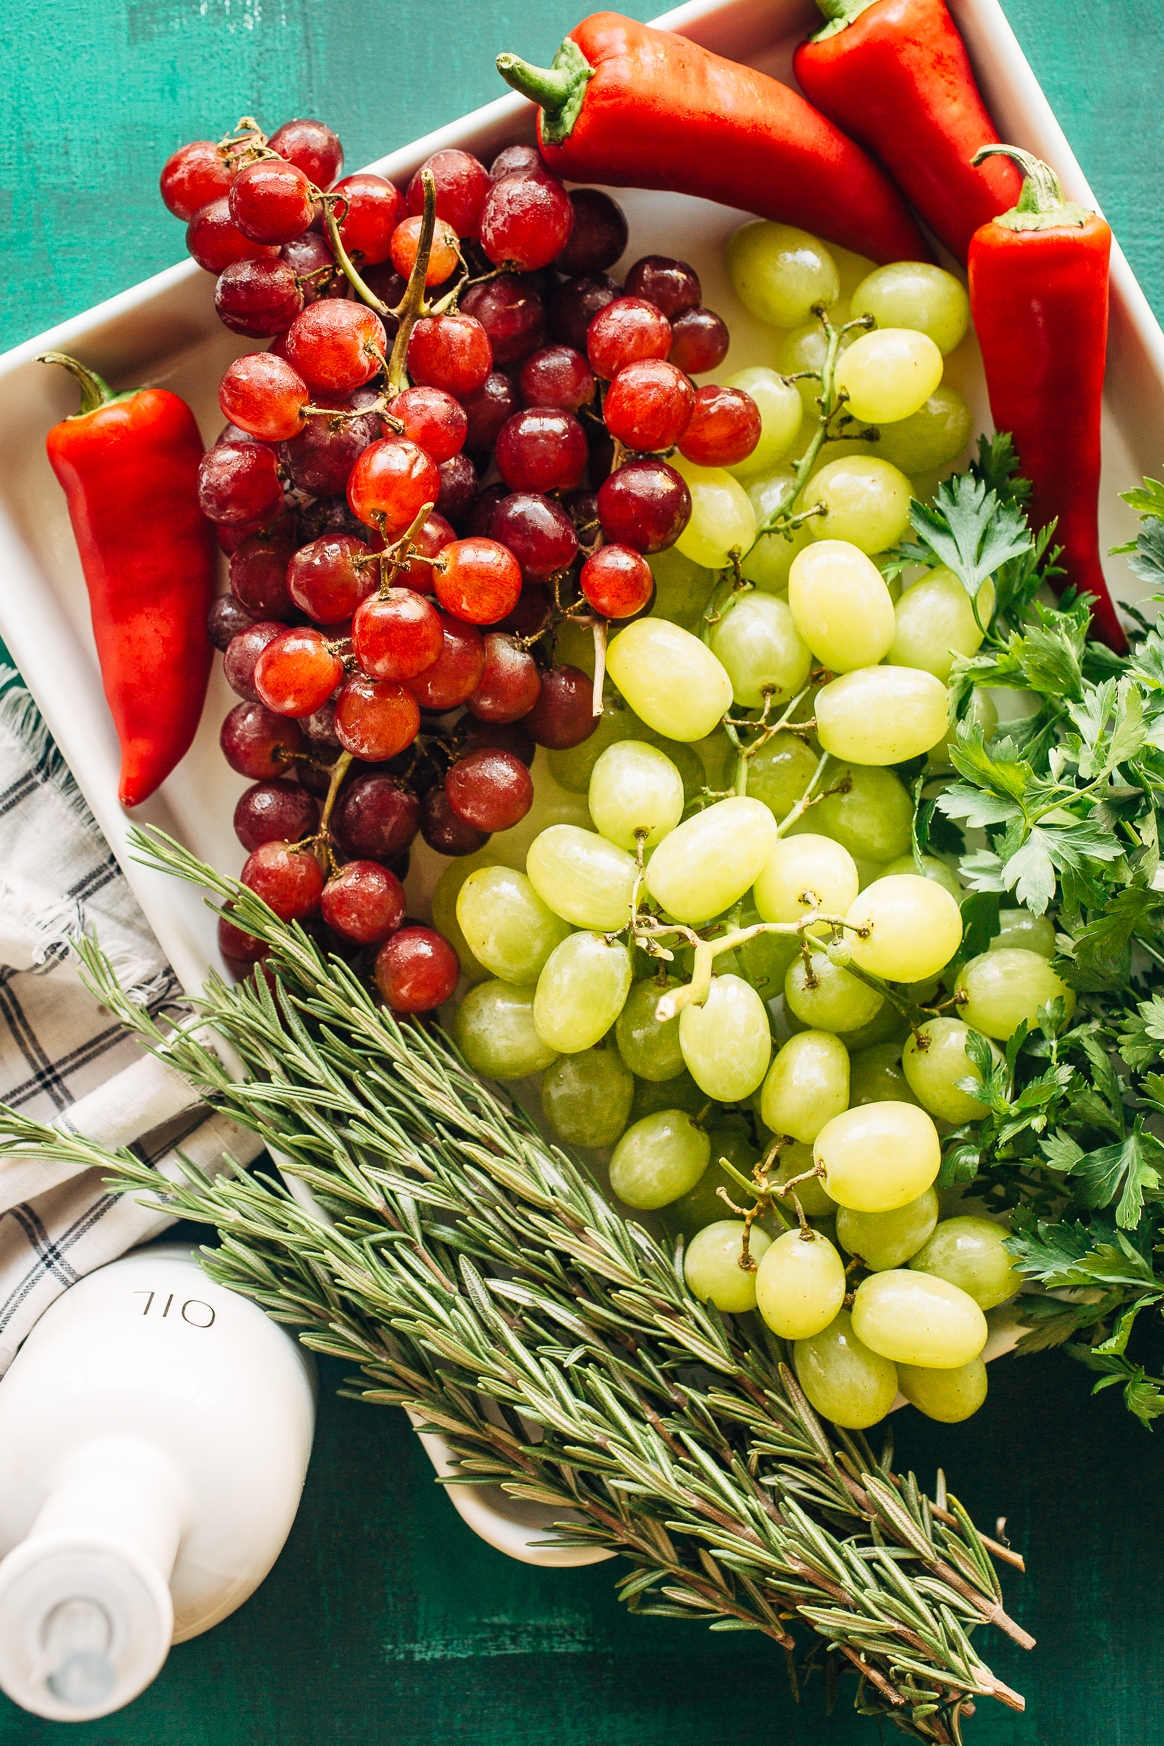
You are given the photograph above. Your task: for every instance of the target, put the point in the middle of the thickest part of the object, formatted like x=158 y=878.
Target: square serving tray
x=165 y=331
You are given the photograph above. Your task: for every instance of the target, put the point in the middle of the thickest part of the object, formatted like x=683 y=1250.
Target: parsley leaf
x=970 y=530
x=998 y=468
x=1126 y=1169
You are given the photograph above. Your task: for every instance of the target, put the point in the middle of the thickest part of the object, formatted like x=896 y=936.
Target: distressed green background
x=385 y=1617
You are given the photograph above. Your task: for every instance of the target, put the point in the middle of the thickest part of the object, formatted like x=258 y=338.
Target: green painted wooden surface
x=386 y=1617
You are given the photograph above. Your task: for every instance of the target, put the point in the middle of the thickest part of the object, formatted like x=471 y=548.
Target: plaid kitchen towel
x=63 y=1059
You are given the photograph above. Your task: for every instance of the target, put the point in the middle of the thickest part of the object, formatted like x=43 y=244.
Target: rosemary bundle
x=457 y=1259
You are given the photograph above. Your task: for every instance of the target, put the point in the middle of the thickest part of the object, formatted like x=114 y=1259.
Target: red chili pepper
x=1039 y=297
x=128 y=464
x=896 y=76
x=640 y=108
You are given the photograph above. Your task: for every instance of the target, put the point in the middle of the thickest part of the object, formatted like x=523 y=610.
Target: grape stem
x=695 y=992
x=412 y=304
x=806 y=800
x=600 y=629
x=394 y=557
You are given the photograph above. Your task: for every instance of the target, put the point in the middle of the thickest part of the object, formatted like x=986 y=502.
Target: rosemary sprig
x=468 y=1258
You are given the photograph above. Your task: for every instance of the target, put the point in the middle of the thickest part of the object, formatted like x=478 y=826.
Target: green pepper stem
x=95 y=391
x=839 y=13
x=1042 y=202
x=558 y=90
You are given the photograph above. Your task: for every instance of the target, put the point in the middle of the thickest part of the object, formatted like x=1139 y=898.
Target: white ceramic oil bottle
x=154 y=1436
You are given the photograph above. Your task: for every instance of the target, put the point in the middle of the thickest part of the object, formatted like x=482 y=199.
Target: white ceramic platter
x=165 y=331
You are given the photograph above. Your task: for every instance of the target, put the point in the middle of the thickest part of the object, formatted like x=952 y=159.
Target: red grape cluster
x=453 y=444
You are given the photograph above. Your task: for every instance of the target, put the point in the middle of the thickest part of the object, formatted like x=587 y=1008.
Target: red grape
x=526 y=220
x=320 y=458
x=325 y=580
x=444 y=830
x=337 y=345
x=541 y=449
x=310 y=255
x=563 y=715
x=490 y=790
x=241 y=654
x=258 y=298
x=239 y=947
x=375 y=718
x=599 y=235
x=486 y=411
x=512 y=314
x=432 y=419
x=537 y=531
x=238 y=484
x=258 y=743
x=700 y=341
x=214 y=240
x=644 y=505
x=376 y=818
x=477 y=580
x=416 y=970
x=192 y=177
x=517 y=160
x=270 y=201
x=264 y=395
x=505 y=736
x=724 y=427
x=670 y=285
x=374 y=209
x=297 y=672
x=572 y=307
x=617 y=581
x=397 y=635
x=622 y=333
x=272 y=812
x=485 y=502
x=649 y=404
x=431 y=540
x=390 y=483
x=460 y=183
x=226 y=618
x=509 y=685
x=457 y=670
x=258 y=574
x=364 y=902
x=312 y=147
x=443 y=254
x=558 y=376
x=450 y=352
x=458 y=487
x=531 y=614
x=288 y=878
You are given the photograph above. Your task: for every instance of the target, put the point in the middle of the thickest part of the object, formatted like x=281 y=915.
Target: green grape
x=807 y=1086
x=866 y=502
x=658 y=1159
x=936 y=623
x=845 y=1381
x=581 y=992
x=649 y=1048
x=682 y=588
x=885 y=1239
x=931 y=868
x=779 y=272
x=917 y=296
x=971 y=1254
x=582 y=877
x=888 y=1027
x=999 y=989
x=914 y=1318
x=876 y=1075
x=905 y=928
x=804 y=873
x=780 y=772
x=878 y=1157
x=574 y=646
x=947 y=1395
x=635 y=788
x=672 y=679
x=727 y=1042
x=980 y=713
x=508 y=927
x=881 y=715
x=764 y=959
x=780 y=416
x=761 y=649
x=828 y=998
x=444 y=908
x=494 y=1030
x=587 y=1097
x=1018 y=927
x=722 y=517
x=709 y=861
x=712 y=1268
x=717 y=755
x=769 y=561
x=678 y=1093
x=815 y=1200
x=865 y=808
x=889 y=374
x=800 y=1285
x=934 y=1060
x=931 y=437
x=701 y=1205
x=573 y=769
x=841 y=605
x=552 y=805
x=804 y=348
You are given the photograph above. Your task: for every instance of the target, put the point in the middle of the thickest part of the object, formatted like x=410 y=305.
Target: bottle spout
x=77 y=1638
